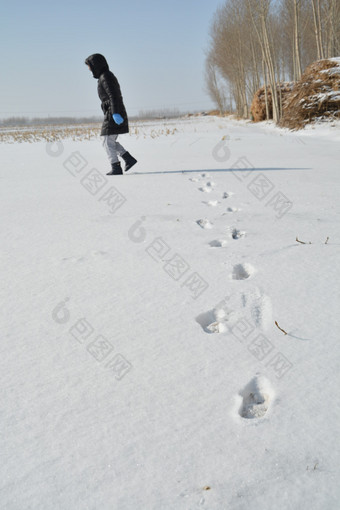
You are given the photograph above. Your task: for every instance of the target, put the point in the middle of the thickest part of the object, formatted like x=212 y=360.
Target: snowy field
x=141 y=366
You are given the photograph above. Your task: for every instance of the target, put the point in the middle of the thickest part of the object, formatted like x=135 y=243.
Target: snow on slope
x=141 y=367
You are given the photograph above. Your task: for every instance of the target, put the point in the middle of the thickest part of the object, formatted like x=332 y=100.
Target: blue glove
x=118 y=118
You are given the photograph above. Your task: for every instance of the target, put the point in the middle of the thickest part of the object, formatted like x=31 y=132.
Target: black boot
x=129 y=161
x=116 y=169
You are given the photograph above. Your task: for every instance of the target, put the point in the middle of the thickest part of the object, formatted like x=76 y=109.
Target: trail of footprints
x=254 y=399
x=231 y=232
x=206 y=224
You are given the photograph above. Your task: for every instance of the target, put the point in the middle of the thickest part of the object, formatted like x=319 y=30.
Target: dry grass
x=316 y=96
x=258 y=106
x=49 y=133
x=145 y=131
x=217 y=113
x=78 y=133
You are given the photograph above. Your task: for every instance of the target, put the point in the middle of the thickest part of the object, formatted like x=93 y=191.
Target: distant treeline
x=165 y=113
x=62 y=121
x=47 y=121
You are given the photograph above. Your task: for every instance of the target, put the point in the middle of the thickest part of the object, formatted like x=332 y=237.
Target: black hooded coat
x=110 y=95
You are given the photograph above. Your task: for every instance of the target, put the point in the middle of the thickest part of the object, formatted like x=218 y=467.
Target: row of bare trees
x=256 y=43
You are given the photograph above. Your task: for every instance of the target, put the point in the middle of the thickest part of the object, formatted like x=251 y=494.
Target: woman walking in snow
x=115 y=117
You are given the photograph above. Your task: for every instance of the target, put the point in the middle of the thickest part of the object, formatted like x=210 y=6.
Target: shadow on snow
x=218 y=170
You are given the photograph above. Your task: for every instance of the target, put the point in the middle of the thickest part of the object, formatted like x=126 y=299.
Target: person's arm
x=109 y=86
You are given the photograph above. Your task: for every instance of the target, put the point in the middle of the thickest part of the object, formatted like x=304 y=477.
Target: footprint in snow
x=227 y=194
x=242 y=271
x=237 y=234
x=212 y=203
x=204 y=223
x=259 y=307
x=218 y=243
x=256 y=398
x=212 y=321
x=208 y=187
x=194 y=179
x=232 y=210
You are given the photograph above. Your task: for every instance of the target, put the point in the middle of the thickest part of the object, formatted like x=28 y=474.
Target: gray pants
x=112 y=147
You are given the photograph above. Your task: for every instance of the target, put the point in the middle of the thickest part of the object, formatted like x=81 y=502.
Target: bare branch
x=302 y=242
x=283 y=331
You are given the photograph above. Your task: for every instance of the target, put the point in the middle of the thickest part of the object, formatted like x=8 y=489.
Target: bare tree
x=215 y=88
x=316 y=5
x=290 y=14
x=259 y=12
x=236 y=57
x=264 y=42
x=296 y=53
x=332 y=27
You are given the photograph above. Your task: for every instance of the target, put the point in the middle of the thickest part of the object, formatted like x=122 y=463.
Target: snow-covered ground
x=141 y=366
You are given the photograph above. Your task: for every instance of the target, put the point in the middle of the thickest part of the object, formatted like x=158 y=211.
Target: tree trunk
x=265 y=88
x=297 y=57
x=318 y=28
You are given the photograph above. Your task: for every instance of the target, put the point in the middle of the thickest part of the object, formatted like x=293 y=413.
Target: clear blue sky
x=154 y=47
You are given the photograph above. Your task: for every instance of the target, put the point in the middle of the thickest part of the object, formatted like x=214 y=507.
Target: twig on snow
x=302 y=242
x=283 y=331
